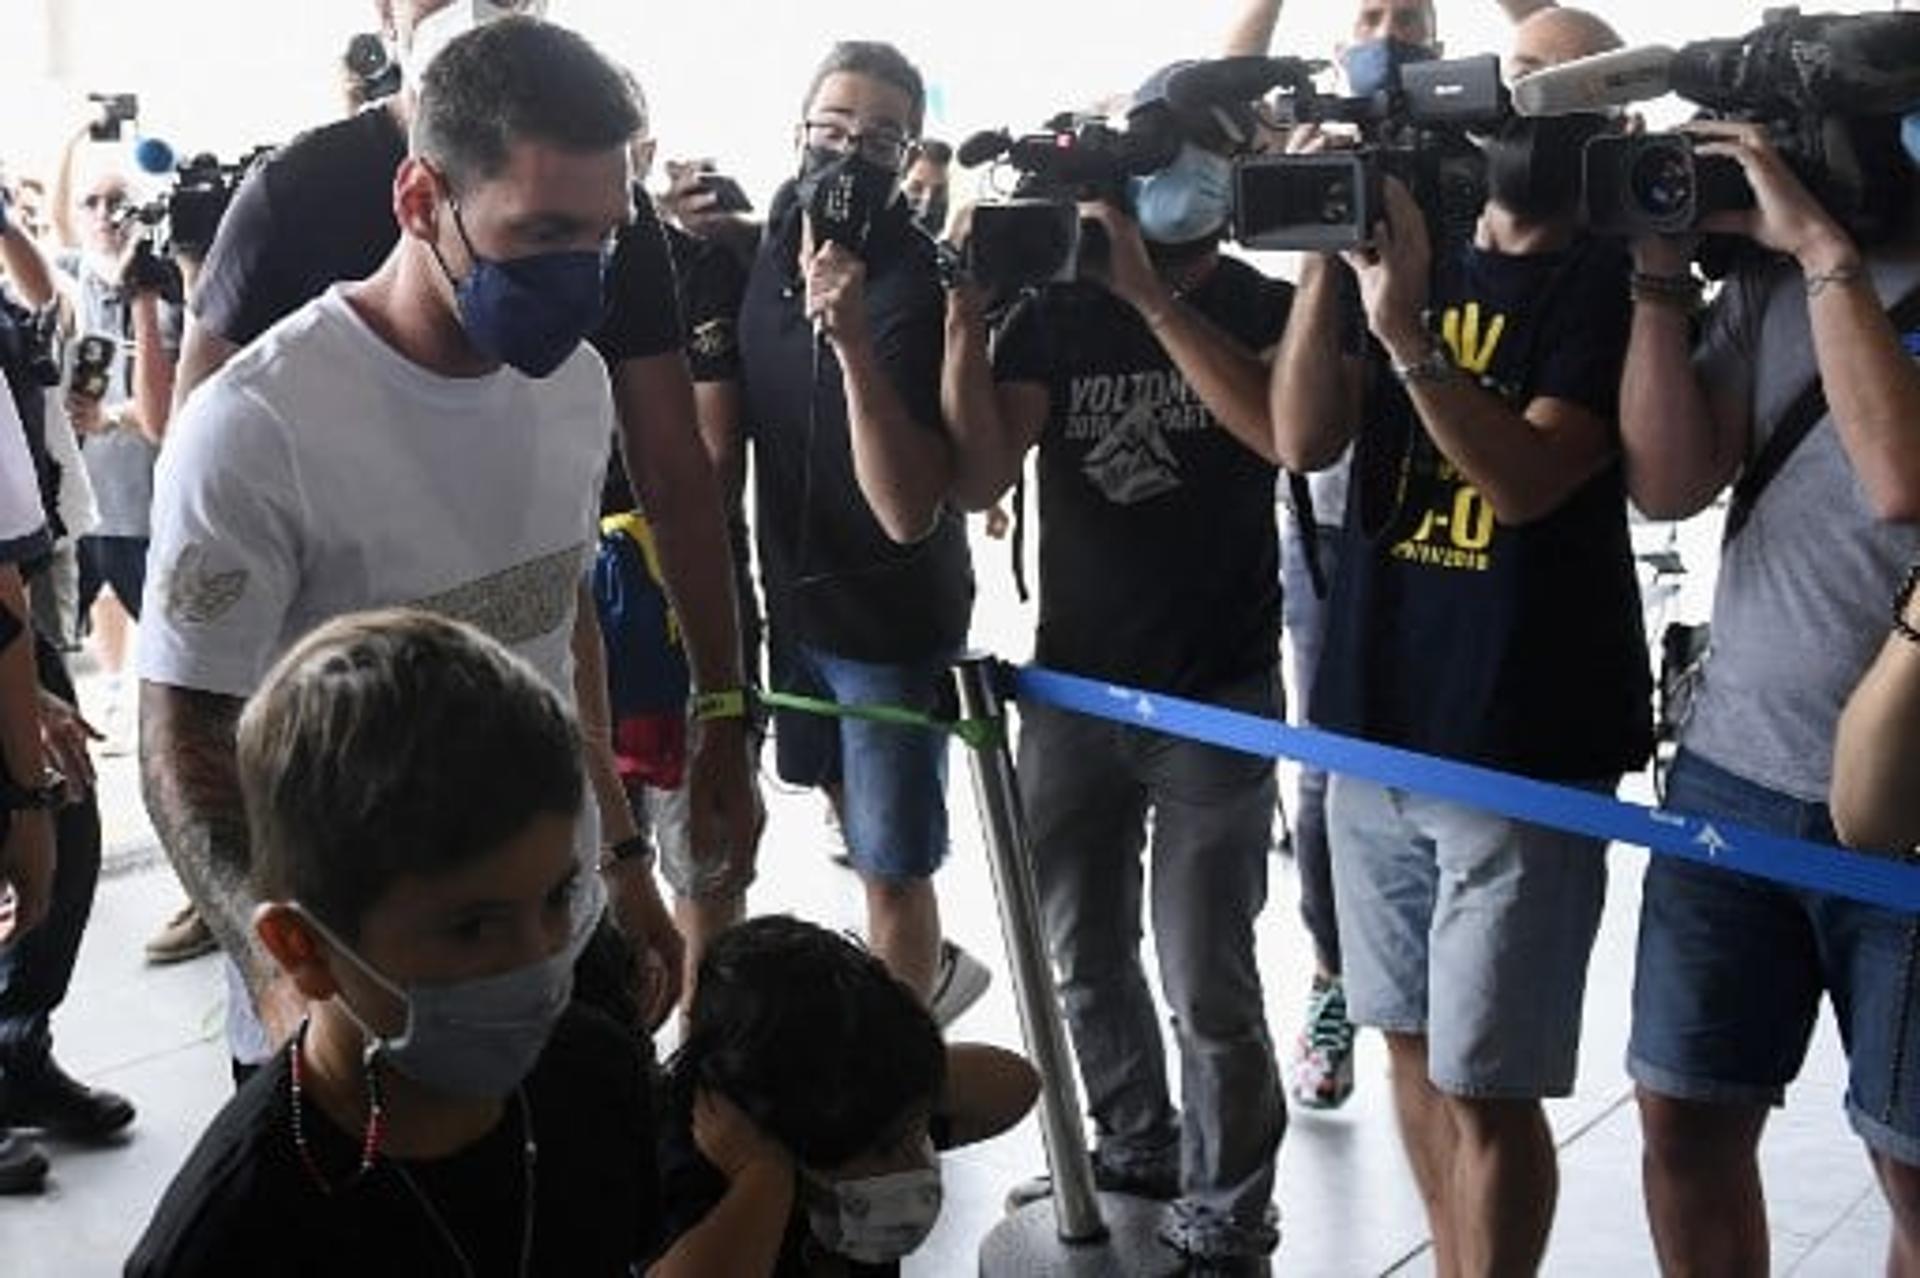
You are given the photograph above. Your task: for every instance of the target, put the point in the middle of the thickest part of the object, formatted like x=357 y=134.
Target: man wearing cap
x=1144 y=393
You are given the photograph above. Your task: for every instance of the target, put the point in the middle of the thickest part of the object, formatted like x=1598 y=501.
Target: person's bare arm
x=1876 y=758
x=60 y=198
x=27 y=855
x=1252 y=31
x=202 y=352
x=993 y=425
x=675 y=480
x=1527 y=464
x=904 y=467
x=1682 y=441
x=152 y=370
x=1872 y=384
x=191 y=782
x=1316 y=386
x=25 y=266
x=743 y=1233
x=988 y=1090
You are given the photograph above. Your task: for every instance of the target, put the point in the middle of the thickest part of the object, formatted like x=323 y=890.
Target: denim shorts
x=1731 y=969
x=893 y=779
x=1469 y=928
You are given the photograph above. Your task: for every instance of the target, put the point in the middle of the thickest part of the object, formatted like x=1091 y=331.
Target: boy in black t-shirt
x=1145 y=398
x=411 y=789
x=1485 y=610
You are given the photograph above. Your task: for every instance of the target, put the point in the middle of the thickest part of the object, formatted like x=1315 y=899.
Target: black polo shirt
x=833 y=578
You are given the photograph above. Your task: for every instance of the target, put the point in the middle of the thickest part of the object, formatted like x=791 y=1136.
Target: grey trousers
x=1088 y=788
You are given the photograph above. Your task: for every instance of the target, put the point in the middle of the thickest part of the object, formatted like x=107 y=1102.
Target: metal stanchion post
x=1076 y=1231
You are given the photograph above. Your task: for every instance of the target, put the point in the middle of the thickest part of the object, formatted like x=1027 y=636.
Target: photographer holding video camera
x=122 y=319
x=1485 y=610
x=1141 y=383
x=1801 y=393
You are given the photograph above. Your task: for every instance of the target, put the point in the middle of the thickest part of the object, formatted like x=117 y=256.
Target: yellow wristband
x=728 y=704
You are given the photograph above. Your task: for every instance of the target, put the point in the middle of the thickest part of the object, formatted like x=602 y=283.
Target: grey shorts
x=1467 y=927
x=666 y=817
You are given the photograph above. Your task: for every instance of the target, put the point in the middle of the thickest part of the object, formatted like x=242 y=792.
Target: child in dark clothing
x=412 y=792
x=826 y=1053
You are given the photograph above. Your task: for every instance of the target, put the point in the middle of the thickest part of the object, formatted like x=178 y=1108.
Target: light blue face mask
x=477 y=1037
x=1188 y=200
x=1910 y=136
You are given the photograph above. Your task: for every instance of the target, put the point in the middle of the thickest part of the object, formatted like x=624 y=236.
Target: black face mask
x=1534 y=164
x=843 y=193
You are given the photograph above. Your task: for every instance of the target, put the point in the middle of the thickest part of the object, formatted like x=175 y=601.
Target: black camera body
x=372 y=67
x=1420 y=132
x=184 y=219
x=1656 y=183
x=116 y=110
x=1038 y=236
x=1821 y=86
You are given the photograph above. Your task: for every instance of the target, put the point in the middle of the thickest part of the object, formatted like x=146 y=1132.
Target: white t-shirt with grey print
x=321 y=472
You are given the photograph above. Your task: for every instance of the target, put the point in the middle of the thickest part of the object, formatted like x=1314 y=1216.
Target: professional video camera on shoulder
x=1829 y=90
x=1418 y=124
x=1037 y=236
x=183 y=219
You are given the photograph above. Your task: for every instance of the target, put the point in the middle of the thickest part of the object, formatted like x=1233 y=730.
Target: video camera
x=374 y=72
x=1420 y=131
x=182 y=220
x=1827 y=89
x=1038 y=236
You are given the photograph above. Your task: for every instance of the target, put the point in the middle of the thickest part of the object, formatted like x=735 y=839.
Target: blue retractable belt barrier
x=1874 y=880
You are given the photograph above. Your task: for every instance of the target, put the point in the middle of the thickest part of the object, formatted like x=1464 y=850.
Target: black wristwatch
x=1902 y=601
x=48 y=794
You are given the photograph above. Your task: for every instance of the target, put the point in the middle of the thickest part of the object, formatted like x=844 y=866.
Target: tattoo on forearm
x=192 y=788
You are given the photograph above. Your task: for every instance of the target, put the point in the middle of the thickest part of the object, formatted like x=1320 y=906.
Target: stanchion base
x=1027 y=1244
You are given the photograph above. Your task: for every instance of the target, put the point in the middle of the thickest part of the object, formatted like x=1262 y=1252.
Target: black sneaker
x=48 y=1098
x=23 y=1168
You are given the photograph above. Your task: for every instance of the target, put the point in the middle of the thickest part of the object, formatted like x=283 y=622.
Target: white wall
x=724 y=76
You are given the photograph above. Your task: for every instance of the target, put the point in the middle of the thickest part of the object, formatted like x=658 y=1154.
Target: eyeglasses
x=109 y=202
x=885 y=147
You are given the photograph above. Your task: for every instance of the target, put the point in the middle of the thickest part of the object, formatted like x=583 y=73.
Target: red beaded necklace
x=370 y=1140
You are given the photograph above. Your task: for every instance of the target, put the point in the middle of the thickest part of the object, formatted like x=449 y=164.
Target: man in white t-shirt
x=433 y=436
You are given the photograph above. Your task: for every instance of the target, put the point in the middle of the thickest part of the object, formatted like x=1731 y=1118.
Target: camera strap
x=1792 y=430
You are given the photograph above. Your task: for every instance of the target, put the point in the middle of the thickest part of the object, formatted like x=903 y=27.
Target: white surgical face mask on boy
x=877 y=1219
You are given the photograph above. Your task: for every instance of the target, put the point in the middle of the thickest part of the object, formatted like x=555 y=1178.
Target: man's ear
x=296 y=946
x=416 y=199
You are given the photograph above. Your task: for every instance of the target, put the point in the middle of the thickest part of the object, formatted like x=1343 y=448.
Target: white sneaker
x=958 y=985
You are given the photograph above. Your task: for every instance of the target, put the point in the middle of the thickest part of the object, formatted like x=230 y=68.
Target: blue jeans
x=1087 y=787
x=36 y=969
x=893 y=779
x=1731 y=969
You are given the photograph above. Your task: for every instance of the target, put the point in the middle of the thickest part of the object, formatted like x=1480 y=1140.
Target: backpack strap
x=1792 y=430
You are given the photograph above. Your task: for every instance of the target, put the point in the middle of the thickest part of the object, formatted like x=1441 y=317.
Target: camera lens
x=1336 y=200
x=1661 y=180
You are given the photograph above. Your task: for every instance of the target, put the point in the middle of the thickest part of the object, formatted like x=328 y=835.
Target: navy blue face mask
x=529 y=312
x=1373 y=66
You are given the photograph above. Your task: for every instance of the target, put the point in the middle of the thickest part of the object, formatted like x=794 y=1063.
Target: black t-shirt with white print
x=244 y=1203
x=321 y=211
x=1452 y=633
x=1158 y=559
